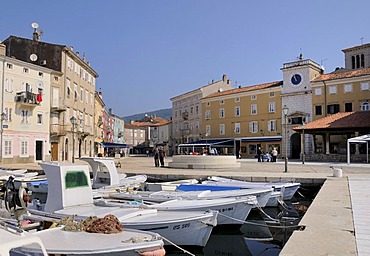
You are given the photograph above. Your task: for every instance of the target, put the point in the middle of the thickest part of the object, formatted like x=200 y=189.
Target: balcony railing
x=58 y=130
x=28 y=98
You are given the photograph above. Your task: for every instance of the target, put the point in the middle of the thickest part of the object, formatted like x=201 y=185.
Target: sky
x=148 y=51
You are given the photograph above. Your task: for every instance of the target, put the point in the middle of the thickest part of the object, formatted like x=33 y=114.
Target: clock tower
x=296 y=95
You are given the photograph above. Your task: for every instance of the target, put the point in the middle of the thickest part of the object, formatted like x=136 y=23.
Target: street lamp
x=285 y=112
x=303 y=142
x=206 y=140
x=74 y=122
x=3 y=117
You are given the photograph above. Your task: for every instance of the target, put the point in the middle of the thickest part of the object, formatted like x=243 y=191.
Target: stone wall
x=361 y=158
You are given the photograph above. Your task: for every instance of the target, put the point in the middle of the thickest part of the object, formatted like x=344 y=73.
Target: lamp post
x=206 y=140
x=73 y=121
x=3 y=117
x=285 y=112
x=303 y=144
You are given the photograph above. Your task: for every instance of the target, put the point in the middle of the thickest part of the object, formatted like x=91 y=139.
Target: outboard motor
x=15 y=199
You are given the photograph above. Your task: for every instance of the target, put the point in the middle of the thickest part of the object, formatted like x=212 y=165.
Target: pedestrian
x=259 y=154
x=156 y=157
x=274 y=154
x=162 y=154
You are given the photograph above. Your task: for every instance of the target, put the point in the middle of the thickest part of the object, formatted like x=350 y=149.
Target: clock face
x=296 y=79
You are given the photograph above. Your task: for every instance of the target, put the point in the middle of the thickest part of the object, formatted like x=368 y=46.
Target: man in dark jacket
x=162 y=154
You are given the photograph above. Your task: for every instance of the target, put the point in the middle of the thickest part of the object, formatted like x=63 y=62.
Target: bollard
x=337 y=172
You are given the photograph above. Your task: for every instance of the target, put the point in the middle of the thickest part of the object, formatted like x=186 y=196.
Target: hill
x=165 y=113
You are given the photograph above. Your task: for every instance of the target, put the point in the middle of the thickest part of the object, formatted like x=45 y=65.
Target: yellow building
x=242 y=119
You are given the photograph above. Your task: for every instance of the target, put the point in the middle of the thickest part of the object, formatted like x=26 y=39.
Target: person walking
x=274 y=154
x=156 y=157
x=162 y=154
x=259 y=154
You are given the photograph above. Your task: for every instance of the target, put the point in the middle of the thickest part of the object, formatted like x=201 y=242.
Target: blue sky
x=147 y=51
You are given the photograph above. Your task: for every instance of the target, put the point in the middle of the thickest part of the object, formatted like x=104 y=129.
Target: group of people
x=269 y=156
x=159 y=156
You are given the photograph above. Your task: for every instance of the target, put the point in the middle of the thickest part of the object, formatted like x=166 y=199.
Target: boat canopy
x=358 y=140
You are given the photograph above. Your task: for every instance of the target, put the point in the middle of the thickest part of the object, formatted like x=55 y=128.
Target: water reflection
x=264 y=233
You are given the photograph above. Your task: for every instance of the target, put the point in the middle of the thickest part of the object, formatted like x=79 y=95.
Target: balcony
x=58 y=130
x=58 y=109
x=27 y=98
x=84 y=131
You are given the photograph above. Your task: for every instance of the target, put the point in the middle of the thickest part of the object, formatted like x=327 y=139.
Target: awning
x=221 y=143
x=261 y=139
x=359 y=139
x=114 y=145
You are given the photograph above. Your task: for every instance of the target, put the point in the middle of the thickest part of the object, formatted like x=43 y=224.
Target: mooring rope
x=178 y=247
x=258 y=224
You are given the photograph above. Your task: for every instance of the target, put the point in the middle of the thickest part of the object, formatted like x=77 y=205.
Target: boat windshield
x=75 y=179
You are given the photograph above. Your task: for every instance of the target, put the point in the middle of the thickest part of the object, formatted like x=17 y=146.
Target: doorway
x=39 y=151
x=54 y=151
x=295 y=142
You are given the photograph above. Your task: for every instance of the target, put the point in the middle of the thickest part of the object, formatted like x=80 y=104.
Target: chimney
x=78 y=54
x=71 y=48
x=2 y=49
x=110 y=110
x=84 y=56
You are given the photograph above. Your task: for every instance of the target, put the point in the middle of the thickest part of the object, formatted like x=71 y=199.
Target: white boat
x=105 y=178
x=262 y=195
x=168 y=185
x=288 y=188
x=61 y=242
x=231 y=210
x=68 y=180
x=14 y=243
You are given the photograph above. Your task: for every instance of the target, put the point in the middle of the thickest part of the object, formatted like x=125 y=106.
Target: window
x=26 y=70
x=237 y=111
x=208 y=129
x=272 y=94
x=8 y=114
x=81 y=94
x=296 y=120
x=56 y=79
x=364 y=86
x=24 y=148
x=253 y=127
x=8 y=147
x=272 y=107
x=87 y=96
x=41 y=74
x=318 y=110
x=222 y=102
x=208 y=104
x=24 y=116
x=221 y=113
x=222 y=129
x=253 y=97
x=75 y=92
x=196 y=110
x=39 y=118
x=358 y=61
x=333 y=108
x=191 y=110
x=237 y=99
x=333 y=89
x=254 y=109
x=237 y=128
x=348 y=107
x=271 y=126
x=196 y=125
x=9 y=66
x=348 y=88
x=207 y=115
x=318 y=91
x=9 y=85
x=365 y=106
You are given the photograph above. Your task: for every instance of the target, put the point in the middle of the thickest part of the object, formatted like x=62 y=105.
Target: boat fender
x=157 y=252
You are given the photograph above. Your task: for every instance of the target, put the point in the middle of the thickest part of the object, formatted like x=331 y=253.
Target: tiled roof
x=155 y=121
x=245 y=89
x=341 y=75
x=341 y=120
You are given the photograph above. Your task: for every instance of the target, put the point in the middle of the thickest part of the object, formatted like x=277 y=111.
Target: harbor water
x=264 y=233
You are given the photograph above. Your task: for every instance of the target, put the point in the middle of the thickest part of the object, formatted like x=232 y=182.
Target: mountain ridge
x=165 y=113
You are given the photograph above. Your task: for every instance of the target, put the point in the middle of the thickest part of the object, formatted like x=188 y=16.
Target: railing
x=58 y=130
x=28 y=98
x=300 y=62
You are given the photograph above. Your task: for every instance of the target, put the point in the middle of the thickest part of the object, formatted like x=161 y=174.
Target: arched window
x=365 y=106
x=353 y=62
x=362 y=60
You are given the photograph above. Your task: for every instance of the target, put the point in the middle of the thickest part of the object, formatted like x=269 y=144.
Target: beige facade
x=25 y=107
x=250 y=115
x=76 y=97
x=187 y=112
